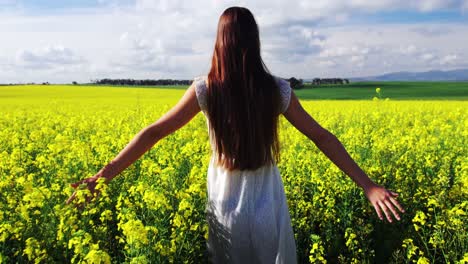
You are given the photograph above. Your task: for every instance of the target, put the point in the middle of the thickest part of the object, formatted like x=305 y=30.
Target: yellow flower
x=423 y=260
x=135 y=232
x=96 y=256
x=34 y=251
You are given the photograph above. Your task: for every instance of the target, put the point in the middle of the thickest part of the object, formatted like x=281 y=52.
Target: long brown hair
x=242 y=97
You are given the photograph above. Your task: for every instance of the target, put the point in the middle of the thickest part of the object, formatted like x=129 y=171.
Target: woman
x=247 y=212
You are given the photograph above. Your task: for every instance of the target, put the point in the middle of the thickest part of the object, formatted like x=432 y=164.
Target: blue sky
x=64 y=41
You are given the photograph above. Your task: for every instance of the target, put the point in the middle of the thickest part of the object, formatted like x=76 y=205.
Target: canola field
x=154 y=211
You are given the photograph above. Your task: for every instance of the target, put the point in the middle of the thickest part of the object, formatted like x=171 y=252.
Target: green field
x=353 y=91
x=154 y=211
x=392 y=90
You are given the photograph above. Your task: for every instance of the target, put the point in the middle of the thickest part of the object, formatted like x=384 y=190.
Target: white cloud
x=434 y=30
x=427 y=57
x=430 y=5
x=327 y=63
x=390 y=48
x=292 y=43
x=408 y=50
x=175 y=39
x=449 y=59
x=464 y=6
x=141 y=53
x=357 y=59
x=47 y=57
x=5 y=64
x=356 y=50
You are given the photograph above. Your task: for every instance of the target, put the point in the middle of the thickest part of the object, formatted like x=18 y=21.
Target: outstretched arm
x=382 y=199
x=177 y=117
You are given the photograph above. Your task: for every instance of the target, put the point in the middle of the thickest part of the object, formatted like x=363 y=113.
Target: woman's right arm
x=381 y=198
x=174 y=119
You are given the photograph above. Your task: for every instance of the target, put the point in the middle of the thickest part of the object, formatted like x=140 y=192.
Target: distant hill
x=453 y=75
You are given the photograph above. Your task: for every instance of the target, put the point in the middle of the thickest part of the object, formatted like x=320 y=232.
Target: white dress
x=247 y=212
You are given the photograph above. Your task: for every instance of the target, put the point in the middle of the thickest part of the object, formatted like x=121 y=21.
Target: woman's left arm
x=174 y=119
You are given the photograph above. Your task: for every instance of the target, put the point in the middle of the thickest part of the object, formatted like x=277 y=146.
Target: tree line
x=294 y=82
x=299 y=83
x=147 y=82
x=318 y=81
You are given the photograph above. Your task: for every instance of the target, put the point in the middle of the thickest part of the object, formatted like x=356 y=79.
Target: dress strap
x=285 y=93
x=200 y=91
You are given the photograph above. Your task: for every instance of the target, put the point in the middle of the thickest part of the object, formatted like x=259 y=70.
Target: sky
x=65 y=41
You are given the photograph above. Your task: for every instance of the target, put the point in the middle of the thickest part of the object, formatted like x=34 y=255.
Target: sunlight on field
x=51 y=136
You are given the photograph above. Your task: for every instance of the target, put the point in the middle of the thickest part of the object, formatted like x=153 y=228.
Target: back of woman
x=247 y=211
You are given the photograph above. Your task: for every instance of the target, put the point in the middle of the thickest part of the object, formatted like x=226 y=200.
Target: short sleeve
x=285 y=93
x=200 y=91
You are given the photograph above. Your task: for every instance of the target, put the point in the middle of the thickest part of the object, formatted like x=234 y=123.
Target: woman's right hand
x=383 y=200
x=90 y=182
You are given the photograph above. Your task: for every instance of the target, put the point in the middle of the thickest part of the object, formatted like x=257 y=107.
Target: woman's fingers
x=384 y=200
x=71 y=197
x=78 y=183
x=378 y=211
x=90 y=185
x=88 y=197
x=386 y=211
x=392 y=209
x=395 y=202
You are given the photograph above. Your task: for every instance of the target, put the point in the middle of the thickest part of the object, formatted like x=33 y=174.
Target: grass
x=392 y=90
x=353 y=91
